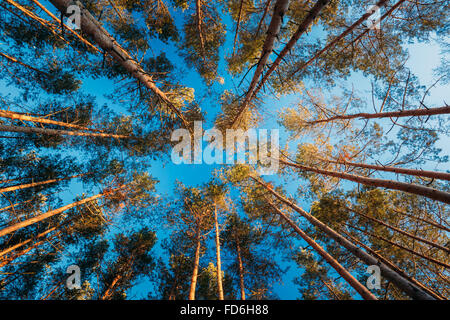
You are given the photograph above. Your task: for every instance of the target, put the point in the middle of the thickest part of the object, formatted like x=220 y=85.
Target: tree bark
x=405 y=285
x=241 y=268
x=219 y=263
x=303 y=27
x=279 y=11
x=352 y=281
x=196 y=265
x=409 y=235
x=381 y=183
x=394 y=266
x=30 y=130
x=347 y=31
x=441 y=263
x=93 y=28
x=22 y=117
x=411 y=172
x=49 y=214
x=21 y=244
x=391 y=114
x=40 y=183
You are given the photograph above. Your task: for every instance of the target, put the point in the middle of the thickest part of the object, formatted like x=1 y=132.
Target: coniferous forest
x=224 y=150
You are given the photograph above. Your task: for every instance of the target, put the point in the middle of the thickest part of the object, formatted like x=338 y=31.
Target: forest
x=347 y=100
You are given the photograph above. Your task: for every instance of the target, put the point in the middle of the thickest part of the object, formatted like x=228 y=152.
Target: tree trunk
x=409 y=288
x=21 y=244
x=49 y=214
x=411 y=172
x=5 y=261
x=196 y=265
x=279 y=11
x=198 y=10
x=409 y=235
x=30 y=130
x=237 y=26
x=87 y=43
x=93 y=28
x=394 y=266
x=433 y=223
x=241 y=269
x=109 y=291
x=347 y=31
x=23 y=117
x=219 y=263
x=441 y=263
x=355 y=284
x=303 y=27
x=391 y=114
x=40 y=183
x=381 y=183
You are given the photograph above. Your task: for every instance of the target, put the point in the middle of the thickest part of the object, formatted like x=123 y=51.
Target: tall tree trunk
x=109 y=291
x=411 y=172
x=381 y=183
x=7 y=260
x=76 y=34
x=441 y=263
x=405 y=285
x=393 y=266
x=93 y=28
x=347 y=31
x=279 y=11
x=355 y=284
x=40 y=183
x=21 y=244
x=237 y=26
x=23 y=64
x=302 y=28
x=391 y=114
x=219 y=263
x=409 y=235
x=196 y=266
x=261 y=21
x=49 y=214
x=198 y=10
x=23 y=117
x=433 y=223
x=30 y=130
x=241 y=268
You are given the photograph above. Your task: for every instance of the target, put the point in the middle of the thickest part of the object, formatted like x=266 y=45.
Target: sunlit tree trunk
x=40 y=183
x=23 y=117
x=409 y=288
x=411 y=172
x=93 y=28
x=409 y=235
x=392 y=114
x=389 y=184
x=279 y=11
x=441 y=263
x=393 y=266
x=49 y=214
x=303 y=27
x=219 y=263
x=352 y=281
x=196 y=266
x=241 y=269
x=7 y=128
